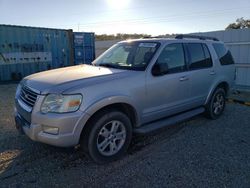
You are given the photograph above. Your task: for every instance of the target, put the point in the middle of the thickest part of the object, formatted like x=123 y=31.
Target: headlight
x=18 y=90
x=58 y=103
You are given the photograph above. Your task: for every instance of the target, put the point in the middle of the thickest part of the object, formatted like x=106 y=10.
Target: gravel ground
x=196 y=153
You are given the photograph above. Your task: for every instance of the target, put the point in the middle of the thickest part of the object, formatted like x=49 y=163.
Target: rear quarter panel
x=224 y=73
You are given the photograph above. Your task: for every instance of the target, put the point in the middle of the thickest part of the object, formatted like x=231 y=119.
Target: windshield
x=128 y=55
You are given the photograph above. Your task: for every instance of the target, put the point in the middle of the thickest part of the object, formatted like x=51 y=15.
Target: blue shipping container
x=27 y=50
x=84 y=47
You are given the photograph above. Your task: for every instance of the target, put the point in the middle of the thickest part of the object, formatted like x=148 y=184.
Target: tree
x=239 y=24
x=120 y=36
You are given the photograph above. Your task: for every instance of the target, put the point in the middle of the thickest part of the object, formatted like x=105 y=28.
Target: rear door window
x=199 y=56
x=209 y=62
x=223 y=54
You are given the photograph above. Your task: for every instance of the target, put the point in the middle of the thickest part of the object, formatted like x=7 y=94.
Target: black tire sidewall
x=98 y=124
x=210 y=111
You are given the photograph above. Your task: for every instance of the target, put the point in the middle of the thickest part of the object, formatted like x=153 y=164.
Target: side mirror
x=160 y=69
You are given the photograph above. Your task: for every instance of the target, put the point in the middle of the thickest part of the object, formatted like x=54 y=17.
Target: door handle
x=212 y=73
x=183 y=78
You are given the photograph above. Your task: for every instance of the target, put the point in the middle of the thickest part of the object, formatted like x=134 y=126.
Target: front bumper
x=69 y=125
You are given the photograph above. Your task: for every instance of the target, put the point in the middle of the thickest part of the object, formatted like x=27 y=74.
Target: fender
x=213 y=87
x=92 y=109
x=109 y=101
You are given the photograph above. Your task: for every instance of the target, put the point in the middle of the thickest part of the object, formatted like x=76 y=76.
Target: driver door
x=168 y=93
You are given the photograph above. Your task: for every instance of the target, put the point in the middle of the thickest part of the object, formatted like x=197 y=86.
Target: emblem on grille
x=26 y=96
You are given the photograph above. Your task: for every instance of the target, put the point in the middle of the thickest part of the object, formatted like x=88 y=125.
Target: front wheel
x=109 y=136
x=217 y=104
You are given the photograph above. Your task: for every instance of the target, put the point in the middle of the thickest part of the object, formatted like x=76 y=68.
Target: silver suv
x=137 y=86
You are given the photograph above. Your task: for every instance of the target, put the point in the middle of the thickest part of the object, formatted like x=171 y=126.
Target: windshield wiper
x=109 y=65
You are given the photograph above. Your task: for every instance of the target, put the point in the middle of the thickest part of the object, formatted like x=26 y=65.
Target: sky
x=153 y=17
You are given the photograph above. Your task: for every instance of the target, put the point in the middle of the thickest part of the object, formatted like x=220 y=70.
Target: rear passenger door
x=202 y=73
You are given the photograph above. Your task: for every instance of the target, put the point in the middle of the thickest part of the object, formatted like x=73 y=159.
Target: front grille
x=28 y=96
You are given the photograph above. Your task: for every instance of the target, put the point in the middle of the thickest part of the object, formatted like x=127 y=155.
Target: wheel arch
x=126 y=108
x=118 y=103
x=221 y=84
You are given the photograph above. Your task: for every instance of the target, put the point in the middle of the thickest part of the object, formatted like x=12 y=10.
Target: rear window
x=223 y=54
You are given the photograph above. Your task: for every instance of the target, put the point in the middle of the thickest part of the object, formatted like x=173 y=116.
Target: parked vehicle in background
x=136 y=86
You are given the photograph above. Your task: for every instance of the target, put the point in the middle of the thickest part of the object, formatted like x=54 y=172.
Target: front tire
x=217 y=104
x=108 y=137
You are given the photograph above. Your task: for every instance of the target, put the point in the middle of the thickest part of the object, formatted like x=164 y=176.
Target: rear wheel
x=108 y=137
x=217 y=103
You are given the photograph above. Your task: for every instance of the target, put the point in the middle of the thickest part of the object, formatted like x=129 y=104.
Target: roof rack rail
x=182 y=36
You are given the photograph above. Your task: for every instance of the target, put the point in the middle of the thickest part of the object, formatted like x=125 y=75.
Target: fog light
x=50 y=130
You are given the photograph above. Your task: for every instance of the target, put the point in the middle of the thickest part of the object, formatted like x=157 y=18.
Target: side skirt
x=156 y=125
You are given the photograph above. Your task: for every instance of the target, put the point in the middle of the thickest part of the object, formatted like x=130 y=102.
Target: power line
x=159 y=19
x=102 y=11
x=152 y=19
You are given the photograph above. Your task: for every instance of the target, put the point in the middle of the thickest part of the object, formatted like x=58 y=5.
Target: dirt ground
x=196 y=153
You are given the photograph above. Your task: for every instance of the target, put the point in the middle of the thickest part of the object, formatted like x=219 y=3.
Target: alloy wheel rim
x=218 y=104
x=111 y=138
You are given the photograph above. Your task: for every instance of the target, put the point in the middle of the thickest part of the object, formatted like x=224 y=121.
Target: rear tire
x=217 y=104
x=108 y=136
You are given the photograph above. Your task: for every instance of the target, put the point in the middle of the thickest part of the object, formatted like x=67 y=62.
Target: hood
x=45 y=81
